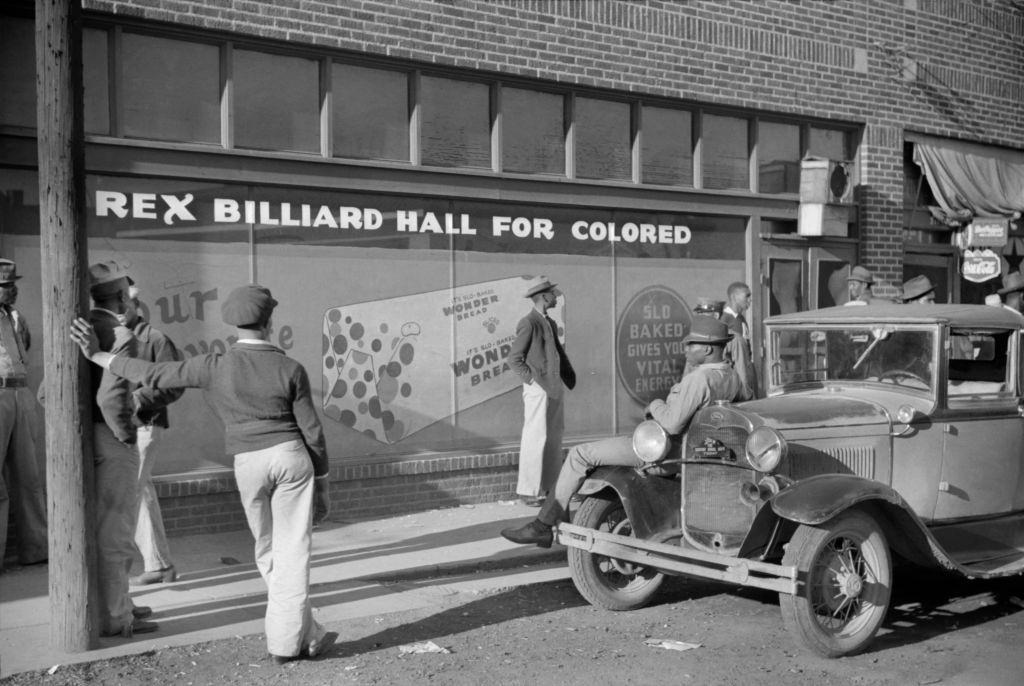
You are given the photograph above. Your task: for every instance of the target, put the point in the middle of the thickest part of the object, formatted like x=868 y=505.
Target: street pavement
x=365 y=568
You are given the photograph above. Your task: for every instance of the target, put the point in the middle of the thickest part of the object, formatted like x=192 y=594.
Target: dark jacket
x=537 y=355
x=112 y=395
x=150 y=403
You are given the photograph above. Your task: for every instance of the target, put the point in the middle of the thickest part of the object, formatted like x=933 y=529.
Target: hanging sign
x=981 y=265
x=988 y=232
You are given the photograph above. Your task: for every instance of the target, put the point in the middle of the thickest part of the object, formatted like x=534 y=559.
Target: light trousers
x=583 y=459
x=117 y=471
x=150 y=537
x=21 y=480
x=276 y=487
x=540 y=448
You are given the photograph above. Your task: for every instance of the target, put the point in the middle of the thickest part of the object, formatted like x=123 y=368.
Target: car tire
x=605 y=582
x=845 y=570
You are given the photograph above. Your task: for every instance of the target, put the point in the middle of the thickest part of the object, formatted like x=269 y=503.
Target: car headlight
x=765 y=448
x=650 y=441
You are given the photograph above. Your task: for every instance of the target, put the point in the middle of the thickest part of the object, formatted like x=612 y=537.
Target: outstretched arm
x=83 y=334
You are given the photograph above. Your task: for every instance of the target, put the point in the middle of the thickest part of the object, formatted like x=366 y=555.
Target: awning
x=971 y=178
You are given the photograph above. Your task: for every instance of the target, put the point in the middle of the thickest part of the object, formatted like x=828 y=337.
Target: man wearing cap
x=1013 y=289
x=539 y=359
x=150 y=418
x=280 y=457
x=918 y=290
x=115 y=455
x=21 y=482
x=712 y=379
x=859 y=284
x=736 y=350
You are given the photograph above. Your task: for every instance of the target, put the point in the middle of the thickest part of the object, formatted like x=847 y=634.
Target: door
x=797 y=277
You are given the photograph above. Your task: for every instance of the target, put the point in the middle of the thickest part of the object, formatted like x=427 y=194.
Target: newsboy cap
x=861 y=274
x=543 y=285
x=707 y=330
x=107 y=277
x=8 y=271
x=916 y=287
x=1014 y=281
x=248 y=306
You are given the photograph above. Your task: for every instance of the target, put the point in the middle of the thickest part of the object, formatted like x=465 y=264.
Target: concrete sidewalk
x=359 y=569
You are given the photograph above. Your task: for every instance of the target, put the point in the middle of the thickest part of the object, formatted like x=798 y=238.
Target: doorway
x=797 y=276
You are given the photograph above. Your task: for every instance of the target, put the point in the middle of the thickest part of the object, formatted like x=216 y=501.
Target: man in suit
x=539 y=359
x=733 y=314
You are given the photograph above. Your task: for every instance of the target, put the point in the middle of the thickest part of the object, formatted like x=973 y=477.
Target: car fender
x=651 y=502
x=817 y=499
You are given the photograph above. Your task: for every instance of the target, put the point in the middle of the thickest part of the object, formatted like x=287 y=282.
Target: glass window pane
x=778 y=158
x=533 y=132
x=725 y=152
x=602 y=139
x=277 y=102
x=371 y=113
x=828 y=143
x=17 y=72
x=456 y=123
x=667 y=147
x=170 y=89
x=95 y=77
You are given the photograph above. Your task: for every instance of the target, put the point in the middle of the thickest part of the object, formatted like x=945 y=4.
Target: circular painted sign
x=649 y=343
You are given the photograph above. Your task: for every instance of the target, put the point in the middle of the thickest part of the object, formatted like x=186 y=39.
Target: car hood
x=819 y=410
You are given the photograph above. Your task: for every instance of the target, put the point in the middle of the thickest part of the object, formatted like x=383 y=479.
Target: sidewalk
x=359 y=569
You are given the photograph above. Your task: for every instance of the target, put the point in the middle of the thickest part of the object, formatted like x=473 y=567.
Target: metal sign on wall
x=649 y=343
x=981 y=265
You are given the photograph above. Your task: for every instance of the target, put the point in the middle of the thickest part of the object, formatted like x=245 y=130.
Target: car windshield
x=871 y=354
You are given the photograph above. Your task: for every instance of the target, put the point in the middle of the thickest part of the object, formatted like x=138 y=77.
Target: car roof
x=980 y=316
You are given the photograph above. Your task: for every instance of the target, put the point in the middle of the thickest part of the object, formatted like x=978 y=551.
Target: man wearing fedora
x=736 y=350
x=21 y=483
x=1013 y=290
x=918 y=290
x=859 y=284
x=115 y=455
x=539 y=359
x=712 y=379
x=280 y=456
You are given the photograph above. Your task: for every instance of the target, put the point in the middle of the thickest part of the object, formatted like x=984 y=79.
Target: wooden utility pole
x=69 y=465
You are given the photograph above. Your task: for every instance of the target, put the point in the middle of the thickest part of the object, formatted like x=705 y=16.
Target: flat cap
x=108 y=277
x=248 y=306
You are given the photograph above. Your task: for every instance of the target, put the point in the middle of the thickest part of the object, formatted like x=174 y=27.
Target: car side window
x=979 y=364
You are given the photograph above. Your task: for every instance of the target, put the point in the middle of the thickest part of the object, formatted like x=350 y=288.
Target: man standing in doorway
x=859 y=284
x=21 y=481
x=918 y=290
x=734 y=316
x=151 y=421
x=539 y=359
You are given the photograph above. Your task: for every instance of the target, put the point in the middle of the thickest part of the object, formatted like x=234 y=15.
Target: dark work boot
x=534 y=532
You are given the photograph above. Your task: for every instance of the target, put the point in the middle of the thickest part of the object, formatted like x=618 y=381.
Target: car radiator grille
x=715 y=516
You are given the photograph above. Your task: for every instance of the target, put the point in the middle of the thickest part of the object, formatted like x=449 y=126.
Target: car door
x=982 y=427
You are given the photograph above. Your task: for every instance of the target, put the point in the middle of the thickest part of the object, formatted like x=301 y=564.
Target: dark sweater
x=262 y=396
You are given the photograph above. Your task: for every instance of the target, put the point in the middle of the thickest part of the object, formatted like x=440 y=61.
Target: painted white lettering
x=144 y=205
x=286 y=215
x=372 y=219
x=111 y=201
x=177 y=208
x=225 y=211
x=325 y=218
x=350 y=218
x=406 y=220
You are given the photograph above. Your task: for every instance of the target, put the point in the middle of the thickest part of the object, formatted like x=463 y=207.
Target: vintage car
x=888 y=432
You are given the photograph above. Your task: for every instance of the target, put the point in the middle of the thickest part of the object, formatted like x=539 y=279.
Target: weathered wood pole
x=69 y=465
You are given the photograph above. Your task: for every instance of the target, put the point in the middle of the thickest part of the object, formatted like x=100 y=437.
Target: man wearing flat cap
x=21 y=479
x=712 y=379
x=859 y=284
x=918 y=290
x=539 y=359
x=280 y=457
x=115 y=455
x=1013 y=289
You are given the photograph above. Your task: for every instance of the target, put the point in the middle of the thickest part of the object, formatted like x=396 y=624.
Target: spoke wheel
x=846 y=570
x=602 y=580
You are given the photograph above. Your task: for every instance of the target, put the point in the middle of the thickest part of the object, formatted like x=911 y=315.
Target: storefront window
x=276 y=102
x=778 y=157
x=725 y=152
x=95 y=76
x=828 y=143
x=533 y=131
x=602 y=139
x=667 y=147
x=456 y=123
x=17 y=75
x=370 y=113
x=169 y=90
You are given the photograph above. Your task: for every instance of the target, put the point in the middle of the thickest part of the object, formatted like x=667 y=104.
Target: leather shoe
x=136 y=627
x=141 y=611
x=534 y=532
x=160 y=576
x=532 y=500
x=320 y=647
x=282 y=659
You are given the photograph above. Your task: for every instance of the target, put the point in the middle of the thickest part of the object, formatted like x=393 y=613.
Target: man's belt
x=13 y=382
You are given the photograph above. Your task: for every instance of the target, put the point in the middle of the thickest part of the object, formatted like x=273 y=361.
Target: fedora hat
x=707 y=330
x=248 y=305
x=861 y=274
x=540 y=287
x=708 y=305
x=1014 y=281
x=107 y=277
x=8 y=271
x=916 y=287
